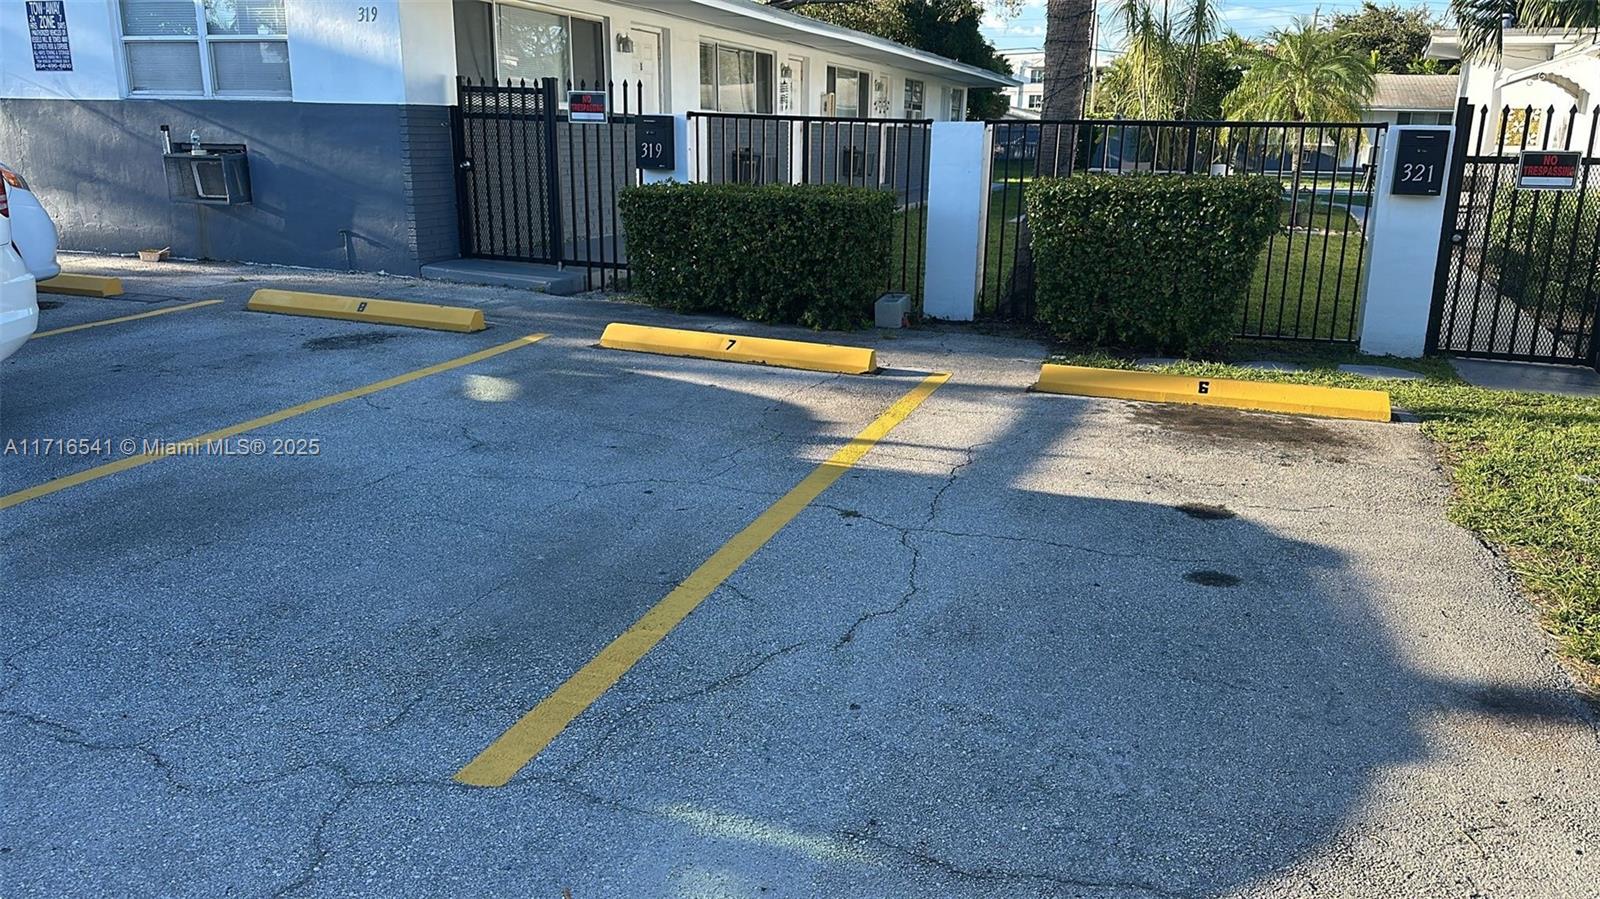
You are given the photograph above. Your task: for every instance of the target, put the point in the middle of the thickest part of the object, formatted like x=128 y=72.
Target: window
x=535 y=44
x=958 y=104
x=915 y=91
x=733 y=79
x=1036 y=101
x=1425 y=118
x=206 y=47
x=849 y=90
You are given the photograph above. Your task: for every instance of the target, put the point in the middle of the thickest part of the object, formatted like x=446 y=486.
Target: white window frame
x=202 y=40
x=832 y=70
x=718 y=44
x=920 y=111
x=958 y=107
x=606 y=39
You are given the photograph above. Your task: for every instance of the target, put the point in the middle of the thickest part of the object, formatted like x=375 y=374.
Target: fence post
x=1403 y=257
x=958 y=194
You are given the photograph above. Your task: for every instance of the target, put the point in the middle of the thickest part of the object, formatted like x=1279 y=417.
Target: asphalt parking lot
x=1016 y=644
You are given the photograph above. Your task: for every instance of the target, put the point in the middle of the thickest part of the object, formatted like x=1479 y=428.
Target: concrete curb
x=365 y=309
x=847 y=360
x=1260 y=396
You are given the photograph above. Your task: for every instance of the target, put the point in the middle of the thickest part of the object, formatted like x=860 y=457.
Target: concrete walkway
x=1028 y=646
x=1570 y=380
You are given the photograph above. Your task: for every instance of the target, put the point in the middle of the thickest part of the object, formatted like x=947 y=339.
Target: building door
x=647 y=69
x=792 y=86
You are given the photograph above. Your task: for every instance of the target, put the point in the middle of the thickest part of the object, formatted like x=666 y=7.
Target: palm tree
x=1158 y=74
x=1483 y=22
x=1068 y=33
x=1308 y=75
x=1198 y=28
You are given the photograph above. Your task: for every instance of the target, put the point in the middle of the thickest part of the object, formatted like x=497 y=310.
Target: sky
x=1250 y=18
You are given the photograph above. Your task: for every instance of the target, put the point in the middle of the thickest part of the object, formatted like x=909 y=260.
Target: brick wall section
x=427 y=159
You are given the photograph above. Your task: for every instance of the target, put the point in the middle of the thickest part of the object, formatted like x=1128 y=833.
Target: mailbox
x=656 y=139
x=1419 y=162
x=219 y=175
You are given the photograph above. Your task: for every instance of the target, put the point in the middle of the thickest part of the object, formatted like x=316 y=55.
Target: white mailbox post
x=1402 y=231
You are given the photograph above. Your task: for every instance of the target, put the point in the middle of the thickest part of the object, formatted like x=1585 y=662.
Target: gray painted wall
x=382 y=172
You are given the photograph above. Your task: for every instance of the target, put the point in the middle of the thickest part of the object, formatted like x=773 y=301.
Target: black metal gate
x=1307 y=285
x=533 y=186
x=890 y=155
x=1518 y=275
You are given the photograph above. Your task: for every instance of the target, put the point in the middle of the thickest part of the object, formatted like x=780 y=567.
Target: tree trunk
x=1068 y=37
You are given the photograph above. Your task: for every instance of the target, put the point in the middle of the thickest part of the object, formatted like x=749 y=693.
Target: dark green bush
x=811 y=254
x=1152 y=261
x=1543 y=248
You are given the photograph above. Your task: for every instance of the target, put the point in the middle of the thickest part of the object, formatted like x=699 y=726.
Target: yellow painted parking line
x=496 y=765
x=123 y=318
x=1260 y=396
x=848 y=360
x=182 y=446
x=367 y=309
x=82 y=285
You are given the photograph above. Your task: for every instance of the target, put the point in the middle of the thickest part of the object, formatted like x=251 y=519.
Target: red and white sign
x=1549 y=169
x=586 y=106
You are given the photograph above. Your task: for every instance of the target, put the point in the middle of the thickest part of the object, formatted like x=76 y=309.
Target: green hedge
x=1544 y=251
x=812 y=254
x=1150 y=261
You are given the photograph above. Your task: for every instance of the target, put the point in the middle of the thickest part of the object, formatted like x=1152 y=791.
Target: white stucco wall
x=335 y=57
x=96 y=56
x=1531 y=77
x=406 y=54
x=681 y=52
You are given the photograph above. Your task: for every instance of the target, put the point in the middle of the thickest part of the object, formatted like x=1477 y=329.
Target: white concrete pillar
x=958 y=197
x=683 y=163
x=1402 y=234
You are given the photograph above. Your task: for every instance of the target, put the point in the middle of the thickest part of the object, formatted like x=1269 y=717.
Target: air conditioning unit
x=218 y=175
x=744 y=166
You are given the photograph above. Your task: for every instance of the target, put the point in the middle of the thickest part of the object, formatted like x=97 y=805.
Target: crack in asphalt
x=621 y=718
x=916 y=552
x=67 y=735
x=1003 y=875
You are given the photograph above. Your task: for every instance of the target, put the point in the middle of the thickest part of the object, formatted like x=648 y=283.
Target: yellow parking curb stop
x=367 y=309
x=1260 y=396
x=846 y=360
x=82 y=285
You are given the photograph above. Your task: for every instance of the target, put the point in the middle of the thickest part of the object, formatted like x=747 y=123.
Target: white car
x=31 y=228
x=19 y=306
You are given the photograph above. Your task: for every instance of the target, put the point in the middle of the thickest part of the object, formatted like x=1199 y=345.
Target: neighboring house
x=1412 y=100
x=1027 y=66
x=1540 y=69
x=345 y=106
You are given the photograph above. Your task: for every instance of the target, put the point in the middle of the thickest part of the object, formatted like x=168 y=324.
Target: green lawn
x=1320 y=215
x=1284 y=299
x=908 y=235
x=1526 y=469
x=1000 y=251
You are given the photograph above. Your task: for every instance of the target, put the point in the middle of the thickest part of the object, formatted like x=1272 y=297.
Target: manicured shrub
x=1542 y=245
x=811 y=254
x=1152 y=261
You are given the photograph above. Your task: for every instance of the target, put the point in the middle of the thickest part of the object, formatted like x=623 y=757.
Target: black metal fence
x=883 y=154
x=1519 y=269
x=1307 y=285
x=534 y=186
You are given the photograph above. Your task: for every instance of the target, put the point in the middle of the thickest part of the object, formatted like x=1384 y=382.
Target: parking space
x=917 y=637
